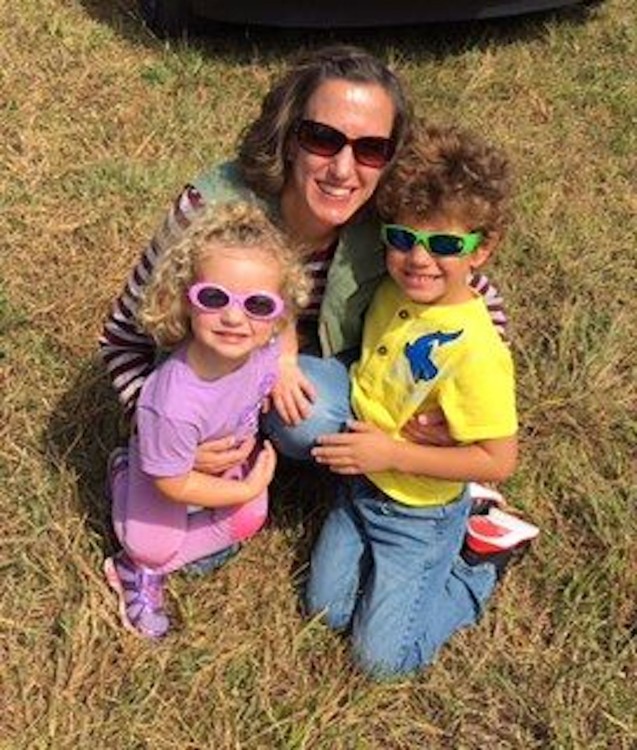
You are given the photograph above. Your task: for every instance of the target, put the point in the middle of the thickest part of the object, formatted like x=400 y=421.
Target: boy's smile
x=429 y=279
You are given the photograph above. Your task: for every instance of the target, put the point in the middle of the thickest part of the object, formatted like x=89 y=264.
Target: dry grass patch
x=100 y=125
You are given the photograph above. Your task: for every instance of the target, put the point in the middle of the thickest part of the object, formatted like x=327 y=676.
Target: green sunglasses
x=404 y=239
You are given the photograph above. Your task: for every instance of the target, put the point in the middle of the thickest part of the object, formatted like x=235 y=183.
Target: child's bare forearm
x=197 y=488
x=483 y=461
x=365 y=449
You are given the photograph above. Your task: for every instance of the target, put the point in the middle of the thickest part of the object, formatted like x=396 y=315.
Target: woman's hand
x=262 y=472
x=293 y=393
x=429 y=428
x=216 y=456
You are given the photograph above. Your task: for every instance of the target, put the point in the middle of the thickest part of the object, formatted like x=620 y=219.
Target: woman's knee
x=329 y=411
x=296 y=441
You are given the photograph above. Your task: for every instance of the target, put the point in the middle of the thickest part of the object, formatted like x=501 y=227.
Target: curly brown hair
x=264 y=143
x=445 y=169
x=164 y=309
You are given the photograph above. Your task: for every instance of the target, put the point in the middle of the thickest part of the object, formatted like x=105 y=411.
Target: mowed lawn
x=100 y=125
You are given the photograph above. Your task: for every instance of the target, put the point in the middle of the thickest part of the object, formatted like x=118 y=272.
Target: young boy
x=387 y=563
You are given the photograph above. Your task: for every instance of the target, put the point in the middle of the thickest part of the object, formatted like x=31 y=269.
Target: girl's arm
x=196 y=488
x=366 y=449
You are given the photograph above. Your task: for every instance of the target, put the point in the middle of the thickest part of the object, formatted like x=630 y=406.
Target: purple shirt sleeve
x=166 y=446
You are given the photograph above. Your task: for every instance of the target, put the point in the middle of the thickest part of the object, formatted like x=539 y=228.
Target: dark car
x=172 y=17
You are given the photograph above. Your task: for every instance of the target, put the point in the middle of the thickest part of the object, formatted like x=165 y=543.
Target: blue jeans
x=392 y=573
x=330 y=409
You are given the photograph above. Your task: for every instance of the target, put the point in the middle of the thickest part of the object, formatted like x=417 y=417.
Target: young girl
x=217 y=299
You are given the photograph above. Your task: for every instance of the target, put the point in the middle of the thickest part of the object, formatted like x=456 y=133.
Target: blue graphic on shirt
x=420 y=354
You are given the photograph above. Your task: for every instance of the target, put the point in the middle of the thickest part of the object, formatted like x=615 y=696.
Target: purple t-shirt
x=177 y=410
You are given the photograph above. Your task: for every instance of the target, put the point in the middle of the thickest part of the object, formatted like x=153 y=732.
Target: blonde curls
x=164 y=309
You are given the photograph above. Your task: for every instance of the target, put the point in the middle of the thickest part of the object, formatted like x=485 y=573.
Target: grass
x=100 y=124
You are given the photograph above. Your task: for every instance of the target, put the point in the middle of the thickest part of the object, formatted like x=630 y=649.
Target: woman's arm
x=127 y=351
x=293 y=393
x=494 y=302
x=216 y=456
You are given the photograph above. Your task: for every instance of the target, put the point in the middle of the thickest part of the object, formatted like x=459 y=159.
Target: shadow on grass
x=85 y=425
x=238 y=43
x=300 y=497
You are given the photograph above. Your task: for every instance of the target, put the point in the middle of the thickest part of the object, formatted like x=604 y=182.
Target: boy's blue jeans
x=392 y=573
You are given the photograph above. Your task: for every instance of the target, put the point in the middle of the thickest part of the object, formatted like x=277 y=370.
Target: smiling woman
x=172 y=17
x=313 y=158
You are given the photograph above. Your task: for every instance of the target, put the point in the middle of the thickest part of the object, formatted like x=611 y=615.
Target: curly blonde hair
x=445 y=169
x=164 y=308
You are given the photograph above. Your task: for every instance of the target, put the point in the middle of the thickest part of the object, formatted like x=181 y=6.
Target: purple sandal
x=141 y=596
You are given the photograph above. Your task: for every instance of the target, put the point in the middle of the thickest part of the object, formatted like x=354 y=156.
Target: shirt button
x=403 y=314
x=382 y=350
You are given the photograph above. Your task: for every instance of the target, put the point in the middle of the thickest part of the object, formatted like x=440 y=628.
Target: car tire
x=166 y=18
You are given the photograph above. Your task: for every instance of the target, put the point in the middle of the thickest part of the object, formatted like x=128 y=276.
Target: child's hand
x=362 y=450
x=261 y=473
x=293 y=393
x=428 y=428
x=216 y=456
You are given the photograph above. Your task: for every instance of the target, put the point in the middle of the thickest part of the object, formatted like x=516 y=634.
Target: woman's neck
x=303 y=226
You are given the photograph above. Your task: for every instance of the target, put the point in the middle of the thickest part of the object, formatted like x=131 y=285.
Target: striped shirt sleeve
x=127 y=351
x=494 y=302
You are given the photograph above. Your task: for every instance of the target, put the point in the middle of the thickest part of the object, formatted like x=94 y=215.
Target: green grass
x=100 y=125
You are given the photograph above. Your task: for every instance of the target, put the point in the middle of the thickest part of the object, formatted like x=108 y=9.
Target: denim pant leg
x=339 y=563
x=417 y=594
x=329 y=411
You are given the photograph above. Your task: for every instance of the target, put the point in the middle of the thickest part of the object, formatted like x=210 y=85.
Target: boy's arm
x=366 y=449
x=196 y=488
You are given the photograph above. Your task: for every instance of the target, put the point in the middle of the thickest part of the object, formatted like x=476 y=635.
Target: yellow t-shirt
x=417 y=358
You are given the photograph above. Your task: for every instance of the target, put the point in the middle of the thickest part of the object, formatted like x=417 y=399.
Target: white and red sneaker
x=496 y=536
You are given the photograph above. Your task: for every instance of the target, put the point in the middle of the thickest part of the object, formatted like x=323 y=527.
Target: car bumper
x=335 y=13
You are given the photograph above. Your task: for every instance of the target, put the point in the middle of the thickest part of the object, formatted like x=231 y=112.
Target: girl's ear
x=485 y=251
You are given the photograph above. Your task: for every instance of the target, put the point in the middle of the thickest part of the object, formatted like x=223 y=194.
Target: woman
x=313 y=157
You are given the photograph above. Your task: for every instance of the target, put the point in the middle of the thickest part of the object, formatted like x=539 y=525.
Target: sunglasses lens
x=400 y=239
x=320 y=139
x=260 y=305
x=373 y=152
x=324 y=140
x=212 y=298
x=446 y=244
